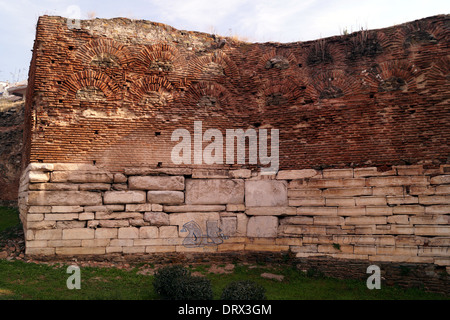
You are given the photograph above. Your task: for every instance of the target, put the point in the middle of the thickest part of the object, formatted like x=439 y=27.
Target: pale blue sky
x=256 y=20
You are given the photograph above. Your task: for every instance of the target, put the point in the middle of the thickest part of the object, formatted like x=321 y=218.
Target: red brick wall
x=113 y=92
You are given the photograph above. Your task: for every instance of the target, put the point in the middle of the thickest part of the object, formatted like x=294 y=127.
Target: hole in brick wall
x=71 y=48
x=90 y=93
x=277 y=62
x=300 y=65
x=96 y=132
x=331 y=92
x=94 y=162
x=213 y=69
x=371 y=96
x=40 y=161
x=275 y=99
x=60 y=101
x=257 y=124
x=58 y=82
x=158 y=99
x=105 y=60
x=53 y=61
x=208 y=103
x=161 y=65
x=159 y=165
x=157 y=133
x=392 y=84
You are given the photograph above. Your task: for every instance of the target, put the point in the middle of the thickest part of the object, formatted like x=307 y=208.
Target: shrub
x=244 y=290
x=176 y=283
x=192 y=288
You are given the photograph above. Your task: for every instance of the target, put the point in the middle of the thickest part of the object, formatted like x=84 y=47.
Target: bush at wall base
x=244 y=290
x=177 y=283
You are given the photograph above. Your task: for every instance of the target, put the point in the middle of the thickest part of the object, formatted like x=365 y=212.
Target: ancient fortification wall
x=363 y=123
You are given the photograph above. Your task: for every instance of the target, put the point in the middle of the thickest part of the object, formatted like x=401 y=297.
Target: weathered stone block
x=340 y=202
x=408 y=209
x=364 y=220
x=165 y=197
x=94 y=186
x=40 y=209
x=228 y=225
x=157 y=218
x=117 y=215
x=297 y=220
x=426 y=230
x=210 y=174
x=240 y=174
x=336 y=183
x=128 y=233
x=64 y=198
x=347 y=192
x=37 y=176
x=444 y=179
x=397 y=181
x=81 y=176
x=40 y=225
x=312 y=211
x=434 y=199
x=307 y=202
x=271 y=211
x=214 y=191
x=262 y=226
x=338 y=173
x=193 y=207
x=61 y=216
x=265 y=193
x=156 y=182
x=64 y=209
x=53 y=234
x=106 y=233
x=120 y=178
x=190 y=221
x=235 y=207
x=302 y=193
x=168 y=232
x=40 y=167
x=296 y=174
x=78 y=234
x=124 y=197
x=70 y=224
x=148 y=232
x=370 y=201
x=438 y=209
x=80 y=250
x=139 y=207
x=402 y=200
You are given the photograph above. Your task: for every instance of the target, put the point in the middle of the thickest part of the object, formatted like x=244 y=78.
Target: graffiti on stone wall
x=196 y=237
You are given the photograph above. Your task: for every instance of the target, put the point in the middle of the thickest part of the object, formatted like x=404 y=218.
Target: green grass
x=20 y=280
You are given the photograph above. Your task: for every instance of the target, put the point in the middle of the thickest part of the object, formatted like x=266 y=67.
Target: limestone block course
x=124 y=197
x=214 y=191
x=262 y=226
x=265 y=193
x=64 y=198
x=165 y=197
x=156 y=182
